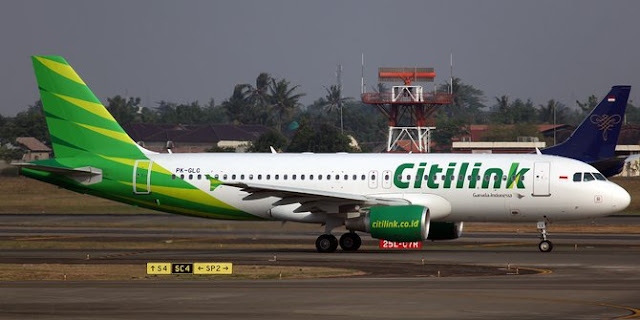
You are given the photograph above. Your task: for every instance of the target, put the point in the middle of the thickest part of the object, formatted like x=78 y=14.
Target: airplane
x=395 y=197
x=594 y=140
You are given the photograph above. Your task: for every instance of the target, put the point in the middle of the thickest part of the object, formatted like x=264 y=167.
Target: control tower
x=408 y=103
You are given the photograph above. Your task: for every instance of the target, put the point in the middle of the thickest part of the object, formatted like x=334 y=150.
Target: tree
x=29 y=123
x=324 y=138
x=552 y=112
x=122 y=109
x=237 y=108
x=283 y=101
x=590 y=104
x=334 y=102
x=448 y=128
x=467 y=102
x=271 y=138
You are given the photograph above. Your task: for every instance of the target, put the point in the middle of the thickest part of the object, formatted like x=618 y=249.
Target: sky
x=182 y=51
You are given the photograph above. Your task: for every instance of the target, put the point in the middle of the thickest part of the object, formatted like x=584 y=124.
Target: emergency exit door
x=541 y=179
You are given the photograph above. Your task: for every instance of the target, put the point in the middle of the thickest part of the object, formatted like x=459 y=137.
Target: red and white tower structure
x=409 y=103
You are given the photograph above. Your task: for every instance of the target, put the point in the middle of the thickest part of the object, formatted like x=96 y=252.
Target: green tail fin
x=79 y=125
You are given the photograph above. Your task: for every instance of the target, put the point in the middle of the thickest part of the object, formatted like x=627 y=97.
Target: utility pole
x=339 y=76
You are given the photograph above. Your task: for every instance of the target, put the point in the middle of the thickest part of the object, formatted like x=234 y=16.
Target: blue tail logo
x=605 y=123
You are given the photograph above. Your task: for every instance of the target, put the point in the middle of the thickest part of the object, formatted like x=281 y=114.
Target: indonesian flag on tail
x=611 y=98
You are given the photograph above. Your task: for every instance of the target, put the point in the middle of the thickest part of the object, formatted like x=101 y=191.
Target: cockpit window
x=577 y=177
x=599 y=176
x=588 y=177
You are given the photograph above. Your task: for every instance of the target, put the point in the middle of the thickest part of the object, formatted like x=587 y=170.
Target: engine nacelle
x=445 y=230
x=395 y=223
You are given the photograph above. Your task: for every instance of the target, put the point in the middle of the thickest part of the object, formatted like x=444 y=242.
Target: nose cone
x=619 y=197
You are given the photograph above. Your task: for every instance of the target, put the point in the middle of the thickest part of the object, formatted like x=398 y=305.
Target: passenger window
x=284 y=177
x=268 y=177
x=319 y=177
x=277 y=176
x=337 y=177
x=199 y=176
x=373 y=177
x=233 y=177
x=310 y=177
x=182 y=176
x=293 y=177
x=190 y=177
x=363 y=177
x=599 y=176
x=355 y=177
x=259 y=177
x=577 y=177
x=216 y=176
x=250 y=177
x=225 y=176
x=386 y=177
x=328 y=177
x=173 y=177
x=588 y=177
x=346 y=177
x=302 y=177
x=242 y=177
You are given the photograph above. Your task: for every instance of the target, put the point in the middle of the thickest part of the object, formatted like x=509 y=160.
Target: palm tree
x=282 y=100
x=334 y=101
x=553 y=110
x=236 y=106
x=258 y=94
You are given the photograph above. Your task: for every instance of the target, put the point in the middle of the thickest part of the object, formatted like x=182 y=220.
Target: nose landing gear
x=544 y=245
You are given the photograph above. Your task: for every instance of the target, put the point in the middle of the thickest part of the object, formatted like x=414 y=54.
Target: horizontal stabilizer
x=84 y=175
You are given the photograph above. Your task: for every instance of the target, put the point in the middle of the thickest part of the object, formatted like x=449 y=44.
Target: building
x=194 y=138
x=33 y=149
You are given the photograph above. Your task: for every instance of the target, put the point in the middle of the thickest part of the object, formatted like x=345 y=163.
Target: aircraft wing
x=313 y=200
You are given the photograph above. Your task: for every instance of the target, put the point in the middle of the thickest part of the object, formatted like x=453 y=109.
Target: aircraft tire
x=545 y=246
x=326 y=243
x=350 y=241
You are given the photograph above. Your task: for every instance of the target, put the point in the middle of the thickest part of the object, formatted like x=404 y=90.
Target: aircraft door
x=142 y=176
x=386 y=179
x=541 y=179
x=373 y=179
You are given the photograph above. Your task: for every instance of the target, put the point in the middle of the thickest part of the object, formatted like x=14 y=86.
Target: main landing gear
x=544 y=245
x=348 y=242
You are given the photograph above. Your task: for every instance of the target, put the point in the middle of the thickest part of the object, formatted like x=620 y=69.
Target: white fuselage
x=545 y=190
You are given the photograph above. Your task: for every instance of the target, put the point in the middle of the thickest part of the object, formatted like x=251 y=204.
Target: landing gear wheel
x=545 y=246
x=350 y=241
x=326 y=243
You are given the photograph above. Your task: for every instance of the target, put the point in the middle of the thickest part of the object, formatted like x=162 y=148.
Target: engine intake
x=395 y=223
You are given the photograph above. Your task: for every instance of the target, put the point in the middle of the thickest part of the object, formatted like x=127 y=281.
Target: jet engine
x=394 y=223
x=445 y=230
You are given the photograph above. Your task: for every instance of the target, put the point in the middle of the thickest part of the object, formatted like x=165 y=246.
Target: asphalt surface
x=587 y=276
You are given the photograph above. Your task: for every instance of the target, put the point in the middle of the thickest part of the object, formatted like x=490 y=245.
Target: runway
x=587 y=276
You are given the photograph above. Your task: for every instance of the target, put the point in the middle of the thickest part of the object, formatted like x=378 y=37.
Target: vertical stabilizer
x=79 y=125
x=597 y=136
